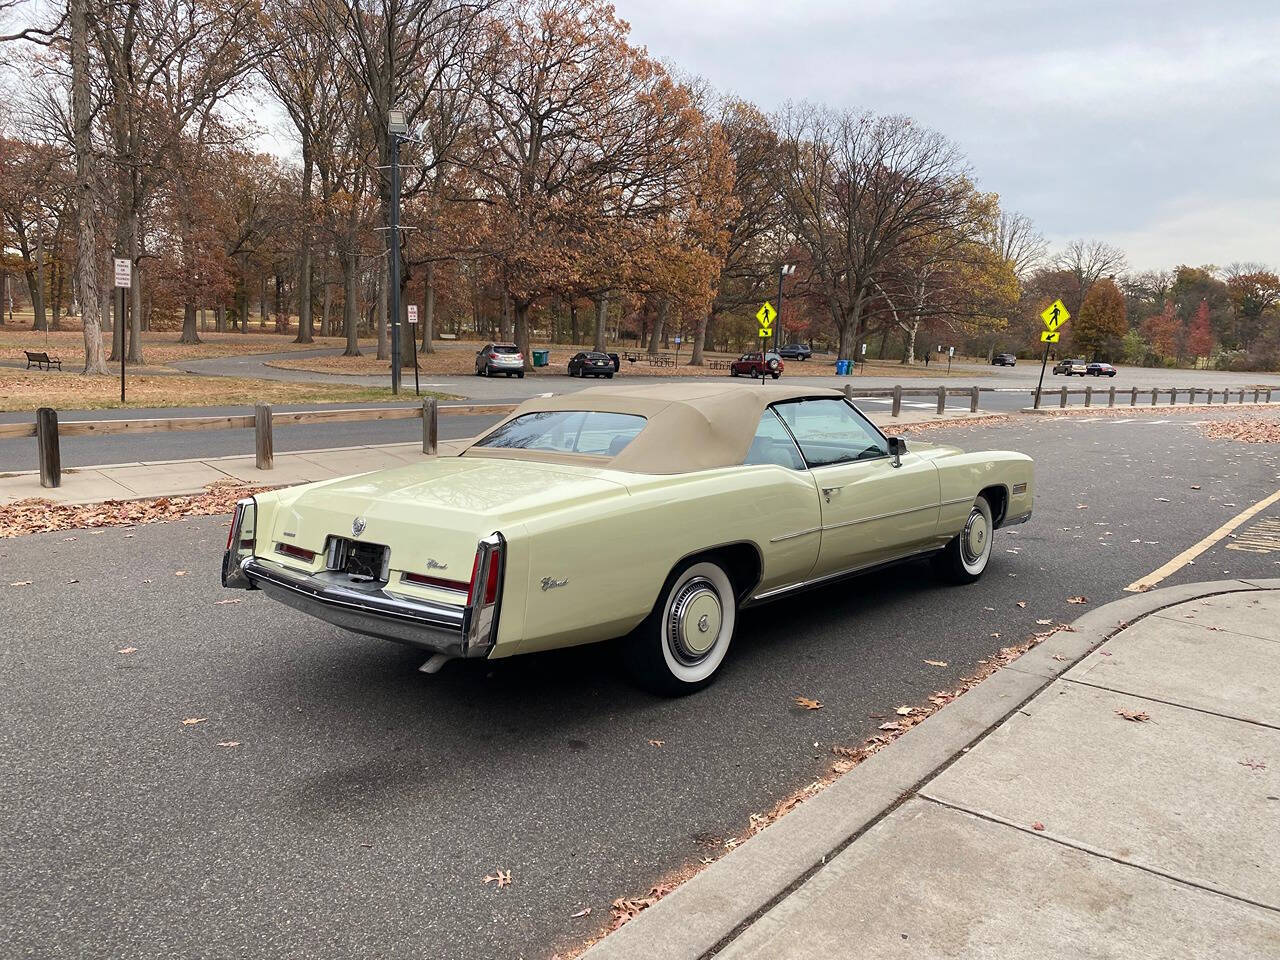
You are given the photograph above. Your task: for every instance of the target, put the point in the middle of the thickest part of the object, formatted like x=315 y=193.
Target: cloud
x=1147 y=124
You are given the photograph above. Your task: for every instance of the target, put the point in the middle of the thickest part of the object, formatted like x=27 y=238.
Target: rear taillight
x=289 y=550
x=493 y=356
x=492 y=577
x=423 y=580
x=240 y=536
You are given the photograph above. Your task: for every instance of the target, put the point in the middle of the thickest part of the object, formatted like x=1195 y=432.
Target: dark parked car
x=757 y=365
x=796 y=351
x=591 y=364
x=1004 y=360
x=1100 y=370
x=1070 y=366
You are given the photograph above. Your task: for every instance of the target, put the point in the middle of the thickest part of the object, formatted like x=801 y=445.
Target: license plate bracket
x=362 y=562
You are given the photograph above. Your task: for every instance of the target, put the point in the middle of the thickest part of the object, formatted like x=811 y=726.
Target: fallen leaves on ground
x=625 y=909
x=905 y=711
x=228 y=743
x=807 y=703
x=936 y=663
x=42 y=516
x=218 y=603
x=192 y=721
x=501 y=877
x=584 y=912
x=1077 y=599
x=1253 y=764
x=1135 y=716
x=20 y=583
x=1245 y=429
x=127 y=650
x=657 y=743
x=1037 y=825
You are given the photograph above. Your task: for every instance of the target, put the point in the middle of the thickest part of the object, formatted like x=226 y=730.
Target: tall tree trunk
x=504 y=330
x=55 y=291
x=189 y=332
x=522 y=332
x=326 y=307
x=429 y=309
x=573 y=322
x=282 y=321
x=220 y=318
x=304 y=252
x=350 y=316
x=655 y=333
x=911 y=329
x=262 y=304
x=135 y=295
x=602 y=317
x=37 y=292
x=699 y=340
x=380 y=317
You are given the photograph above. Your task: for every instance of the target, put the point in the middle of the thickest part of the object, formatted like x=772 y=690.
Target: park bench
x=719 y=364
x=42 y=361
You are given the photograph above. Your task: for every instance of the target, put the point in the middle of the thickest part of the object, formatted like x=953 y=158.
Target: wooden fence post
x=262 y=436
x=1111 y=396
x=1173 y=396
x=942 y=400
x=973 y=399
x=848 y=392
x=1133 y=397
x=1062 y=402
x=1088 y=396
x=1268 y=394
x=430 y=426
x=1242 y=394
x=1191 y=394
x=1255 y=394
x=1155 y=395
x=47 y=441
x=897 y=401
x=1210 y=400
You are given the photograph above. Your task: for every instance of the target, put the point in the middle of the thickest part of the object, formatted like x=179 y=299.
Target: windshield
x=589 y=432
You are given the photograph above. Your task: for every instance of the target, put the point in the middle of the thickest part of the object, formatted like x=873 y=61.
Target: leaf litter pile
x=42 y=516
x=1258 y=429
x=625 y=909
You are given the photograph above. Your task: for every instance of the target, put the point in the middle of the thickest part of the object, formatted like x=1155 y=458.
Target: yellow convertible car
x=650 y=513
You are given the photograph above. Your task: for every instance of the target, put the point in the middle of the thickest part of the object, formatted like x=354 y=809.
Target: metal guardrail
x=47 y=430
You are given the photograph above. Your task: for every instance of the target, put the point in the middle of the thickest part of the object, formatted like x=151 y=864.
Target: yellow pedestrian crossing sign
x=1049 y=336
x=1054 y=316
x=765 y=314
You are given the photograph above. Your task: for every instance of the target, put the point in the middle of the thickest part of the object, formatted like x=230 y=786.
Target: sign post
x=124 y=280
x=765 y=316
x=951 y=352
x=1054 y=316
x=413 y=322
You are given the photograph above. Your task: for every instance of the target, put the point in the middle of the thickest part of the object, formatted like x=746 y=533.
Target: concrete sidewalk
x=166 y=478
x=1129 y=809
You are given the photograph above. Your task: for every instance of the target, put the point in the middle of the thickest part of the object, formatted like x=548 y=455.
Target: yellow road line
x=1186 y=556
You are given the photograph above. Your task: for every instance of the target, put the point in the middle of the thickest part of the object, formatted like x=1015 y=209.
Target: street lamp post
x=784 y=270
x=396 y=127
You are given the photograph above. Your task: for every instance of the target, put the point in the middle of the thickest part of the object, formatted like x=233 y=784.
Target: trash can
x=541 y=358
x=842 y=368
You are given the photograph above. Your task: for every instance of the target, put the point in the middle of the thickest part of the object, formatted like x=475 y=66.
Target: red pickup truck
x=757 y=365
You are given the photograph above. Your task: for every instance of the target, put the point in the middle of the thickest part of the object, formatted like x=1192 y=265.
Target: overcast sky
x=1152 y=125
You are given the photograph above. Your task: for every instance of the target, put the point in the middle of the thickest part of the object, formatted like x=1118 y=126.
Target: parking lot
x=325 y=799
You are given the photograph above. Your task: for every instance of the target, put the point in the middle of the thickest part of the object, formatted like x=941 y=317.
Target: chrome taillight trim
x=233 y=575
x=481 y=629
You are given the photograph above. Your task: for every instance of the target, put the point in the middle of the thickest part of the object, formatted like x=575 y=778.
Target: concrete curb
x=705 y=913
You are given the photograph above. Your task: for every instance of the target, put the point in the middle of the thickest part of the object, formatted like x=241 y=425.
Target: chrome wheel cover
x=975 y=541
x=694 y=622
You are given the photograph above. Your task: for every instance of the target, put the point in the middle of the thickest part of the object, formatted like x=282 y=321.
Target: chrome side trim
x=882 y=516
x=818 y=581
x=798 y=533
x=955 y=500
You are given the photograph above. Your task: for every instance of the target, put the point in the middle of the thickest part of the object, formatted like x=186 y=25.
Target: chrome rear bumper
x=456 y=631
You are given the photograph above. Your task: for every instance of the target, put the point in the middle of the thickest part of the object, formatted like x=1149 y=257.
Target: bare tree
x=859 y=188
x=1087 y=261
x=1015 y=239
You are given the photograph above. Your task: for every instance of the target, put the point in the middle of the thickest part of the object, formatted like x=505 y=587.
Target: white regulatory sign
x=413 y=313
x=124 y=272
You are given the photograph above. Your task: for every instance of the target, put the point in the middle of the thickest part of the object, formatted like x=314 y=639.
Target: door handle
x=828 y=491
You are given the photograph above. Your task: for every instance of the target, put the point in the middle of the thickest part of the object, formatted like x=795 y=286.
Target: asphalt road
x=365 y=802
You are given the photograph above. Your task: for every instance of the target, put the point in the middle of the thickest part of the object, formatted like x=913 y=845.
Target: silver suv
x=496 y=358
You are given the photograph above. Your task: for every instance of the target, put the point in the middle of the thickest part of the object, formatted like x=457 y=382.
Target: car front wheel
x=964 y=559
x=681 y=644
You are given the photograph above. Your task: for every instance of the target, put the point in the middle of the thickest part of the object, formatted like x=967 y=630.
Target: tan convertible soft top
x=691 y=426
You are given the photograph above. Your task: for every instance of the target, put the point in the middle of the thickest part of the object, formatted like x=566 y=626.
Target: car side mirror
x=897 y=447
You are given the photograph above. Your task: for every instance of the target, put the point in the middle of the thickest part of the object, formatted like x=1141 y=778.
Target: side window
x=829 y=430
x=772 y=444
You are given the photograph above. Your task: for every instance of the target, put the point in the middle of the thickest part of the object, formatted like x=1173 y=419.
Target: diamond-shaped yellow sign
x=765 y=314
x=1055 y=315
x=1049 y=336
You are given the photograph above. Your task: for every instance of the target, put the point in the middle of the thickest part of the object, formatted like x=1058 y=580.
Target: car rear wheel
x=681 y=644
x=964 y=559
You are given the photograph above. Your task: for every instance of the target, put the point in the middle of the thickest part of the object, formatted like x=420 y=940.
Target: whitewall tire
x=682 y=643
x=966 y=557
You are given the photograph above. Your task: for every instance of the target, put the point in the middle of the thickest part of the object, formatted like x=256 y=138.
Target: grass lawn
x=158 y=347
x=30 y=389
